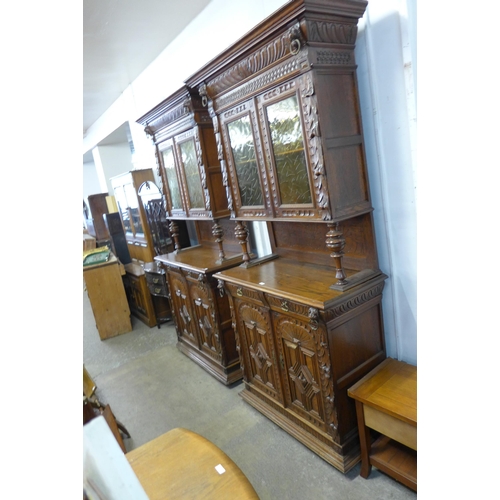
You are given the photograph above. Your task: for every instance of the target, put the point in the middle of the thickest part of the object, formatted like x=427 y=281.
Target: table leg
x=364 y=441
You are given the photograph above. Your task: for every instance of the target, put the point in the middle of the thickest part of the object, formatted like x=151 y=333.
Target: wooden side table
x=181 y=464
x=386 y=401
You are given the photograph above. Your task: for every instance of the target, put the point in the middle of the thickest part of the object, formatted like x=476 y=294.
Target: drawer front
x=157 y=284
x=155 y=279
x=248 y=294
x=160 y=290
x=389 y=426
x=289 y=307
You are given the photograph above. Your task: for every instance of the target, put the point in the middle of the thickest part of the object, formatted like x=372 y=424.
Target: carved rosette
x=311 y=122
x=201 y=168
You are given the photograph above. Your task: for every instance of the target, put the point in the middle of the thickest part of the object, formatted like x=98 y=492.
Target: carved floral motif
x=311 y=122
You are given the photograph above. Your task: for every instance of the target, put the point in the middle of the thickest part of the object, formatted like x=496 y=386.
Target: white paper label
x=220 y=469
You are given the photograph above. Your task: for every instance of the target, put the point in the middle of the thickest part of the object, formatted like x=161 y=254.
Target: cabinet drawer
x=155 y=279
x=279 y=304
x=240 y=291
x=160 y=289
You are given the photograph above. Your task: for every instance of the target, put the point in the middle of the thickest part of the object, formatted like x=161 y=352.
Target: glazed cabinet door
x=305 y=369
x=172 y=187
x=253 y=323
x=286 y=153
x=181 y=304
x=247 y=174
x=190 y=165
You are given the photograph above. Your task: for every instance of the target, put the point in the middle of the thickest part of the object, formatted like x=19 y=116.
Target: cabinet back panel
x=307 y=242
x=206 y=237
x=340 y=118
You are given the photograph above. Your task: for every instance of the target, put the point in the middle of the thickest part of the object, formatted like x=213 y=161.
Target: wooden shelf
x=396 y=460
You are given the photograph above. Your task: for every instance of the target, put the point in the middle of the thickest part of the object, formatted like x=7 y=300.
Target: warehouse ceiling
x=120 y=39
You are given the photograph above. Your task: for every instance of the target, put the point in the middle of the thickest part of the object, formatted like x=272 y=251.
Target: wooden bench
x=386 y=401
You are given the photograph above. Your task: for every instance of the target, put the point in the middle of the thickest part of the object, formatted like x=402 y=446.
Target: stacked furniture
x=192 y=188
x=285 y=110
x=139 y=241
x=96 y=224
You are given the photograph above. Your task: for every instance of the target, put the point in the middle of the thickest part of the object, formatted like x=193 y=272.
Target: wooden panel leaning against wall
x=188 y=163
x=285 y=111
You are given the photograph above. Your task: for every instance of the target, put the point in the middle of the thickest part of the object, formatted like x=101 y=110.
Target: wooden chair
x=92 y=408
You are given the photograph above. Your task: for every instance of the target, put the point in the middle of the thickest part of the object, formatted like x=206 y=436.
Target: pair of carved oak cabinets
x=270 y=130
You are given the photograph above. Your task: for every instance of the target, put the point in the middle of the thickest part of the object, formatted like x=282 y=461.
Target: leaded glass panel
x=288 y=149
x=172 y=181
x=190 y=162
x=243 y=148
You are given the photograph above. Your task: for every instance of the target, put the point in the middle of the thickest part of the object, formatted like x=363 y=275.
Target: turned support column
x=335 y=241
x=218 y=233
x=174 y=232
x=241 y=233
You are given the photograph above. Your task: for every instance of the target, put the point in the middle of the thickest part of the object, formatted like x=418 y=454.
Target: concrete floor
x=152 y=388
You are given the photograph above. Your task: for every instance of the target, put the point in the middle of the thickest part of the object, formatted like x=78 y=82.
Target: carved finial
x=335 y=241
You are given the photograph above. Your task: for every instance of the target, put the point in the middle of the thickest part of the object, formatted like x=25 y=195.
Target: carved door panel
x=205 y=317
x=255 y=333
x=185 y=320
x=306 y=367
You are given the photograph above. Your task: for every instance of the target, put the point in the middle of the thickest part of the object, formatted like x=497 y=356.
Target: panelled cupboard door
x=260 y=362
x=205 y=317
x=305 y=368
x=181 y=304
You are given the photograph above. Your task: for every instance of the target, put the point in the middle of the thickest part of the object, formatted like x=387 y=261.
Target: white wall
x=112 y=160
x=388 y=107
x=90 y=180
x=385 y=54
